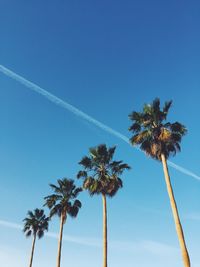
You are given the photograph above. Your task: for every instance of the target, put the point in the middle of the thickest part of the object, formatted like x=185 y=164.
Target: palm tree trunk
x=104 y=231
x=32 y=250
x=179 y=230
x=60 y=240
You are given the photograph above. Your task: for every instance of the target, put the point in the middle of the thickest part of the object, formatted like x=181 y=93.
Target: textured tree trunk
x=32 y=250
x=104 y=231
x=60 y=241
x=179 y=230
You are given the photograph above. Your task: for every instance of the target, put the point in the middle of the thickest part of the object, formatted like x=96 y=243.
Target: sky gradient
x=107 y=59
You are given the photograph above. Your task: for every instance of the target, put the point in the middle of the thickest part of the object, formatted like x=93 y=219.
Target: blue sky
x=106 y=58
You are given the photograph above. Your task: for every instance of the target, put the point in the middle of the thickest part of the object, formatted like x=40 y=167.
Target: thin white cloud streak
x=11 y=225
x=148 y=246
x=183 y=170
x=61 y=103
x=77 y=240
x=56 y=100
x=195 y=216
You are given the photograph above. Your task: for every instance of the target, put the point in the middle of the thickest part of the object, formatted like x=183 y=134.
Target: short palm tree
x=101 y=176
x=160 y=139
x=35 y=224
x=62 y=203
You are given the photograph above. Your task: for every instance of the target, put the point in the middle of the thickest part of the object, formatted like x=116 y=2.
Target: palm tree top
x=63 y=201
x=153 y=133
x=36 y=223
x=100 y=172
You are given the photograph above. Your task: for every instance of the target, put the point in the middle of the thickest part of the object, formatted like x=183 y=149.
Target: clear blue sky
x=107 y=58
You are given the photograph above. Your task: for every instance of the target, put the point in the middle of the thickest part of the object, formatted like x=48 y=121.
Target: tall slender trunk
x=104 y=231
x=179 y=230
x=60 y=240
x=32 y=250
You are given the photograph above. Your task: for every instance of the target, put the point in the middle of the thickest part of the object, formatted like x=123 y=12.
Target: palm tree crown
x=101 y=173
x=153 y=134
x=36 y=223
x=64 y=201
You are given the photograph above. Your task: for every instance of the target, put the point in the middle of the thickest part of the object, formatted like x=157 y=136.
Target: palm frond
x=153 y=134
x=102 y=175
x=82 y=174
x=28 y=233
x=35 y=223
x=156 y=105
x=166 y=107
x=178 y=128
x=61 y=203
x=111 y=152
x=135 y=127
x=86 y=162
x=136 y=116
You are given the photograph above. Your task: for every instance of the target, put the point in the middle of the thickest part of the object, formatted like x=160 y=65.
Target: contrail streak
x=61 y=103
x=150 y=246
x=183 y=170
x=77 y=240
x=56 y=100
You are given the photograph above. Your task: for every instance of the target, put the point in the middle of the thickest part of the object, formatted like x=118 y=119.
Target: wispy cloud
x=92 y=242
x=183 y=170
x=138 y=247
x=11 y=225
x=68 y=238
x=194 y=216
x=148 y=246
x=57 y=101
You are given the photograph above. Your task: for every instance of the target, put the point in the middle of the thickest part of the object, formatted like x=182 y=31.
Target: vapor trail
x=183 y=170
x=77 y=240
x=149 y=246
x=56 y=100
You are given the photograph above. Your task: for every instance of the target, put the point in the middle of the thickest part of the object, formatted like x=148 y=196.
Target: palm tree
x=35 y=224
x=62 y=203
x=160 y=139
x=101 y=176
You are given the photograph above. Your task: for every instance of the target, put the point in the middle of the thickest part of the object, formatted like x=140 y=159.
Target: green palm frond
x=118 y=167
x=156 y=105
x=86 y=162
x=102 y=174
x=135 y=127
x=139 y=138
x=111 y=152
x=87 y=182
x=178 y=128
x=61 y=203
x=28 y=233
x=153 y=134
x=51 y=200
x=82 y=174
x=137 y=117
x=76 y=192
x=147 y=110
x=74 y=209
x=77 y=203
x=166 y=108
x=30 y=214
x=40 y=234
x=101 y=150
x=55 y=188
x=36 y=223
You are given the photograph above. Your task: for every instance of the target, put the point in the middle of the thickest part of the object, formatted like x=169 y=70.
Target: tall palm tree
x=101 y=176
x=62 y=203
x=35 y=224
x=160 y=139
